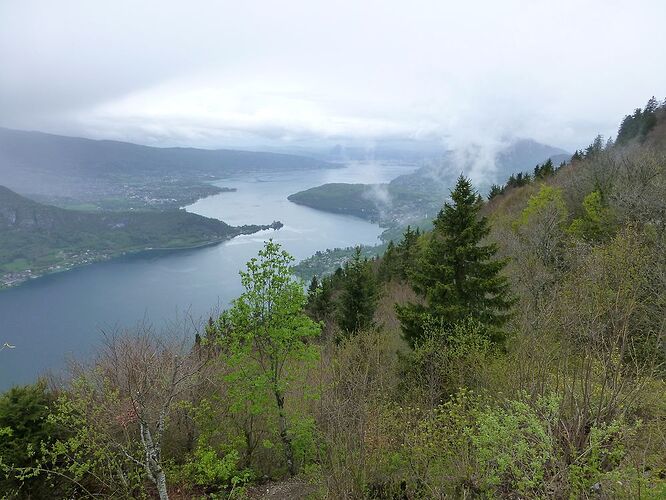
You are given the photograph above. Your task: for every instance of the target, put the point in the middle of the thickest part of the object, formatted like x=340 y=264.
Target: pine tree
x=320 y=295
x=596 y=147
x=542 y=171
x=457 y=275
x=649 y=117
x=313 y=289
x=407 y=252
x=387 y=268
x=360 y=293
x=495 y=190
x=24 y=429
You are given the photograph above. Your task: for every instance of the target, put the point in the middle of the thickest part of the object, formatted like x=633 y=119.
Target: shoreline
x=275 y=226
x=108 y=257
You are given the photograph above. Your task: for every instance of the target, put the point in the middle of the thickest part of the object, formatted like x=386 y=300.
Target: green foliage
x=320 y=303
x=541 y=226
x=97 y=454
x=513 y=446
x=548 y=200
x=438 y=447
x=268 y=316
x=595 y=148
x=399 y=260
x=324 y=263
x=495 y=190
x=571 y=405
x=604 y=451
x=544 y=170
x=518 y=180
x=306 y=440
x=640 y=123
x=446 y=359
x=389 y=263
x=598 y=222
x=268 y=332
x=541 y=171
x=207 y=468
x=24 y=426
x=358 y=300
x=457 y=275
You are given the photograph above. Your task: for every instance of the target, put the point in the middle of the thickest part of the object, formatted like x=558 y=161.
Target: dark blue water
x=63 y=315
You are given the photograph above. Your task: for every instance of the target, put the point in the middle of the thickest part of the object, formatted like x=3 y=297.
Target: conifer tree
x=541 y=171
x=360 y=293
x=387 y=268
x=457 y=275
x=407 y=251
x=495 y=190
x=313 y=288
x=320 y=298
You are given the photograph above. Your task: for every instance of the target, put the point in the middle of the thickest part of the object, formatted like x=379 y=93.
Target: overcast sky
x=244 y=72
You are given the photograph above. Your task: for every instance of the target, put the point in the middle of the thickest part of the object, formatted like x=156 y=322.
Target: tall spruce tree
x=320 y=298
x=407 y=251
x=456 y=274
x=360 y=293
x=387 y=267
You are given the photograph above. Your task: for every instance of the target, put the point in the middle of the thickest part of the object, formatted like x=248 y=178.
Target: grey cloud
x=217 y=72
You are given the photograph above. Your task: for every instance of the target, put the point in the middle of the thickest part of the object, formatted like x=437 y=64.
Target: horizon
x=285 y=149
x=261 y=77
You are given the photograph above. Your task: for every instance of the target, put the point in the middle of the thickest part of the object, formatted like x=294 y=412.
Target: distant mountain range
x=413 y=197
x=484 y=167
x=36 y=238
x=67 y=170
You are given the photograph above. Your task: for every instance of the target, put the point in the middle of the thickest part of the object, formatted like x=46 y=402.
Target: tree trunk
x=160 y=480
x=153 y=466
x=284 y=435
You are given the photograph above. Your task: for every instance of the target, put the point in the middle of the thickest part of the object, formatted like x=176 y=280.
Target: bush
x=24 y=426
x=514 y=448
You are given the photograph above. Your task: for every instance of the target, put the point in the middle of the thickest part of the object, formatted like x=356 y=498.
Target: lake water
x=63 y=315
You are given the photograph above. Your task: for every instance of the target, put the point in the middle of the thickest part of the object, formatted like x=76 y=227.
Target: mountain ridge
x=132 y=175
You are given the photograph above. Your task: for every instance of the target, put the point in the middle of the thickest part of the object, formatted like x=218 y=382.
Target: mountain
x=57 y=167
x=413 y=197
x=485 y=167
x=37 y=238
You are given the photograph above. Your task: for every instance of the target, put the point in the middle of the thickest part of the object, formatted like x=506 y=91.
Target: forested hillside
x=410 y=198
x=37 y=238
x=517 y=350
x=113 y=174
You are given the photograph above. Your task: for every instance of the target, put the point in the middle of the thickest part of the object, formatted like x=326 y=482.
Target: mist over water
x=61 y=315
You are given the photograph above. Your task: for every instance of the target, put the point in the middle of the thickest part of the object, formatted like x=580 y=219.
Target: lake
x=63 y=315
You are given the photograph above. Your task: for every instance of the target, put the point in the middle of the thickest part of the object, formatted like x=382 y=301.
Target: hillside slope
x=56 y=166
x=37 y=238
x=413 y=197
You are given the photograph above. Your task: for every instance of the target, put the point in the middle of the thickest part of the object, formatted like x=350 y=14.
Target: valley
x=64 y=313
